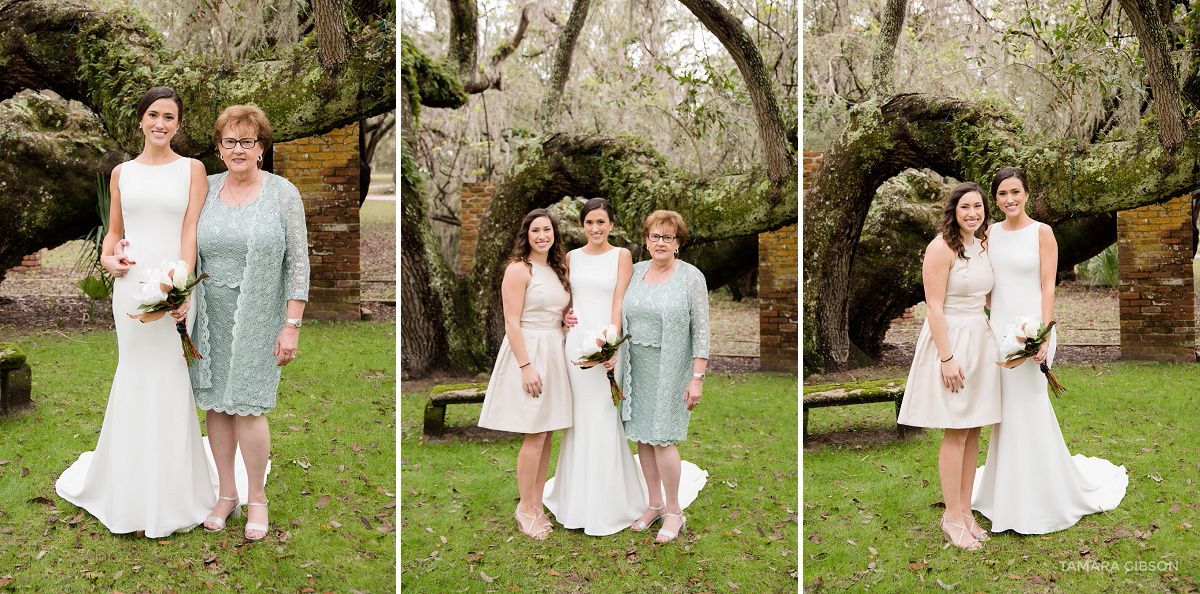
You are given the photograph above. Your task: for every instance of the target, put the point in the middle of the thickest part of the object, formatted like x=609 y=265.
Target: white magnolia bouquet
x=164 y=289
x=1021 y=341
x=598 y=346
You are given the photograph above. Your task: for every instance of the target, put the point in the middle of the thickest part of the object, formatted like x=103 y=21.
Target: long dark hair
x=556 y=259
x=154 y=94
x=600 y=203
x=1005 y=173
x=949 y=226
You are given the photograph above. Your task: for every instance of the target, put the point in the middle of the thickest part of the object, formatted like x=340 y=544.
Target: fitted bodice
x=545 y=300
x=1016 y=266
x=593 y=281
x=154 y=199
x=969 y=283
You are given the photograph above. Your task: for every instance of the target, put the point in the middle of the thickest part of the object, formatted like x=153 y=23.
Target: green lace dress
x=256 y=257
x=668 y=324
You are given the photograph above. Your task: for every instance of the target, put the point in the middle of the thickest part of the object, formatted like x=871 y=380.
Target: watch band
x=699 y=376
x=293 y=321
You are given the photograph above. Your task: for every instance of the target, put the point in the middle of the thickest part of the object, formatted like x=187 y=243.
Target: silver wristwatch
x=699 y=376
x=293 y=321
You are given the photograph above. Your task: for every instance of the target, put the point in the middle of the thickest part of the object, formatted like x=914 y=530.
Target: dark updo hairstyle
x=949 y=227
x=556 y=259
x=595 y=203
x=154 y=94
x=1005 y=173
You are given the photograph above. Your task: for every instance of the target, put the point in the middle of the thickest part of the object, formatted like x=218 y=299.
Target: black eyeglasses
x=654 y=237
x=247 y=143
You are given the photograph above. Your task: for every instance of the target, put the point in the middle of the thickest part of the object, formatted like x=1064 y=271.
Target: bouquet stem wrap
x=614 y=388
x=190 y=354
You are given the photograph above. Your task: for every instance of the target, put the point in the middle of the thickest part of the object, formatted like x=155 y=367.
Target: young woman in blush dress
x=954 y=383
x=529 y=391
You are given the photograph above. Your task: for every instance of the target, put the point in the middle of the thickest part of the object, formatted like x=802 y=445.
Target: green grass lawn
x=870 y=519
x=458 y=494
x=331 y=487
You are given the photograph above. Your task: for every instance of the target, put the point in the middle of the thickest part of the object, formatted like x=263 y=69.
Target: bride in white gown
x=1030 y=483
x=149 y=470
x=598 y=485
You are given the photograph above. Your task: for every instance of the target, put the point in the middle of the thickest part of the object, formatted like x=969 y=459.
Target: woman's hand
x=1043 y=351
x=531 y=381
x=569 y=318
x=952 y=375
x=691 y=396
x=180 y=313
x=117 y=264
x=610 y=364
x=285 y=345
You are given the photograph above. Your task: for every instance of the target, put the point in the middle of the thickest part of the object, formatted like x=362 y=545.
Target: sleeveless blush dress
x=507 y=406
x=929 y=403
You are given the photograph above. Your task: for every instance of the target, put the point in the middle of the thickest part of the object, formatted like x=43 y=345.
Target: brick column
x=29 y=262
x=778 y=290
x=1154 y=255
x=325 y=170
x=475 y=200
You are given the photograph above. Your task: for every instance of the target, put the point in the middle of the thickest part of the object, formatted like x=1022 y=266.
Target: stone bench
x=16 y=378
x=854 y=393
x=444 y=394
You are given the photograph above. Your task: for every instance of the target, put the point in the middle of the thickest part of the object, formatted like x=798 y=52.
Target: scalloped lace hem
x=656 y=345
x=248 y=410
x=653 y=442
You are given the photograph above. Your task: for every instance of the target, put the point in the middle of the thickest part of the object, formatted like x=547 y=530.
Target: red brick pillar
x=778 y=290
x=325 y=170
x=1154 y=255
x=475 y=199
x=31 y=261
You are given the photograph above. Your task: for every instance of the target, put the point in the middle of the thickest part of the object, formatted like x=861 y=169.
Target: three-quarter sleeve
x=697 y=293
x=295 y=257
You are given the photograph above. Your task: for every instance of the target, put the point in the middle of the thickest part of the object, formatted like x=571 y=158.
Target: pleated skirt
x=929 y=403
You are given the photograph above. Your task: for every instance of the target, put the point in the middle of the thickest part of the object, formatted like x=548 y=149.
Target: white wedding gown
x=598 y=485
x=1030 y=483
x=150 y=470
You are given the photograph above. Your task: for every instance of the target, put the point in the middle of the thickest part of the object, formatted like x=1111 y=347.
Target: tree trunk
x=780 y=157
x=885 y=47
x=968 y=142
x=1155 y=48
x=331 y=33
x=560 y=69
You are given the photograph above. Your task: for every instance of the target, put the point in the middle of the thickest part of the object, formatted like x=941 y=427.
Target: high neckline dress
x=1030 y=483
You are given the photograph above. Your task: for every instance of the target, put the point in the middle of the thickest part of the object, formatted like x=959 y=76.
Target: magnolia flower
x=1009 y=343
x=588 y=347
x=611 y=335
x=179 y=273
x=150 y=293
x=1029 y=326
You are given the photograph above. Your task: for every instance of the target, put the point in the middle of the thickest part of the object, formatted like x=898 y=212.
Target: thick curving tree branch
x=969 y=142
x=781 y=159
x=1155 y=47
x=106 y=59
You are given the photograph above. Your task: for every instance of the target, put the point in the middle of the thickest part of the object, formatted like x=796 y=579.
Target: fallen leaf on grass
x=24 y=471
x=1175 y=508
x=734 y=514
x=41 y=500
x=732 y=586
x=323 y=501
x=553 y=573
x=6 y=581
x=946 y=586
x=918 y=566
x=487 y=578
x=473 y=557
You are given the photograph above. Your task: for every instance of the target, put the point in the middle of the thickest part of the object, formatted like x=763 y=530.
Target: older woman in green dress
x=666 y=313
x=253 y=244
